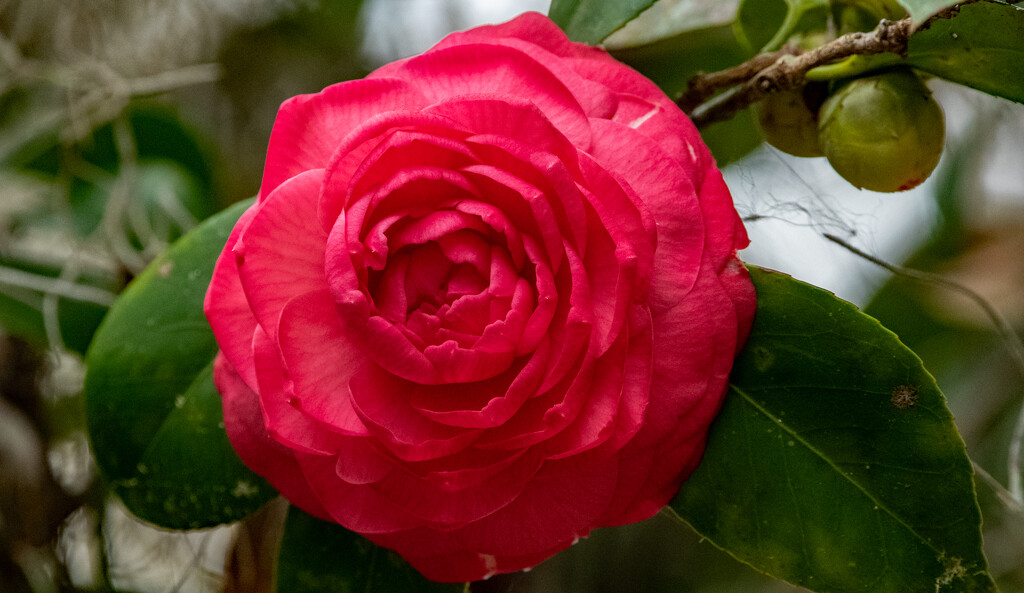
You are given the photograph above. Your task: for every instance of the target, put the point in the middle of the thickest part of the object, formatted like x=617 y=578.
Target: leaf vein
x=881 y=506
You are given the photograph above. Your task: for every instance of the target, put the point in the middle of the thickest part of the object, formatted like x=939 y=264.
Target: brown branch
x=785 y=71
x=702 y=87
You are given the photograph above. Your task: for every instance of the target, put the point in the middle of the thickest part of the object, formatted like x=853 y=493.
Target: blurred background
x=125 y=122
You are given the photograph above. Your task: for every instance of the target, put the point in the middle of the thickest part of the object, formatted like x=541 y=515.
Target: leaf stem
x=57 y=286
x=1002 y=493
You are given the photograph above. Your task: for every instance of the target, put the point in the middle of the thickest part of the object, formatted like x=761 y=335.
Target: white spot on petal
x=490 y=564
x=636 y=123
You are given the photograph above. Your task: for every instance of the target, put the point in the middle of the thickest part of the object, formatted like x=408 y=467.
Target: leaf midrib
x=785 y=427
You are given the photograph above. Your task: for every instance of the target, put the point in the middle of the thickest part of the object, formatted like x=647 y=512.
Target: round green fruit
x=883 y=133
x=789 y=120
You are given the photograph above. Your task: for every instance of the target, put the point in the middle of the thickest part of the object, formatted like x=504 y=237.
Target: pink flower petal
x=244 y=424
x=320 y=358
x=228 y=310
x=528 y=207
x=282 y=414
x=355 y=506
x=725 y=232
x=355 y=150
x=618 y=395
x=480 y=70
x=455 y=364
x=382 y=401
x=483 y=404
x=546 y=415
x=385 y=343
x=534 y=28
x=499 y=225
x=279 y=255
x=456 y=498
x=672 y=202
x=687 y=388
x=435 y=226
x=554 y=176
x=453 y=563
x=413 y=192
x=572 y=325
x=662 y=121
x=552 y=513
x=511 y=118
x=309 y=128
x=558 y=505
x=360 y=461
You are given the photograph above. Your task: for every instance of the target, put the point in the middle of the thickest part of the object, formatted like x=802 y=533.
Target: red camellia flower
x=486 y=301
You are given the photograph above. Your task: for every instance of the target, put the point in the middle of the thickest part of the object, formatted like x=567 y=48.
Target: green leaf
x=732 y=139
x=834 y=463
x=154 y=415
x=317 y=556
x=981 y=47
x=921 y=10
x=667 y=19
x=590 y=21
x=765 y=25
x=758 y=20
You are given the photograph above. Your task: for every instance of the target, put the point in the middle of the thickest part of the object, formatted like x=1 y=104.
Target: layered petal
x=487 y=301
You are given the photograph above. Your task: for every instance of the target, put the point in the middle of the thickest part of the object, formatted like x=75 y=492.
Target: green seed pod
x=789 y=120
x=884 y=133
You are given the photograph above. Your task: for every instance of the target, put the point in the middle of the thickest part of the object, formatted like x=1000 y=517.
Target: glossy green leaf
x=321 y=557
x=981 y=47
x=765 y=25
x=834 y=463
x=758 y=20
x=154 y=415
x=732 y=139
x=667 y=19
x=590 y=21
x=921 y=10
